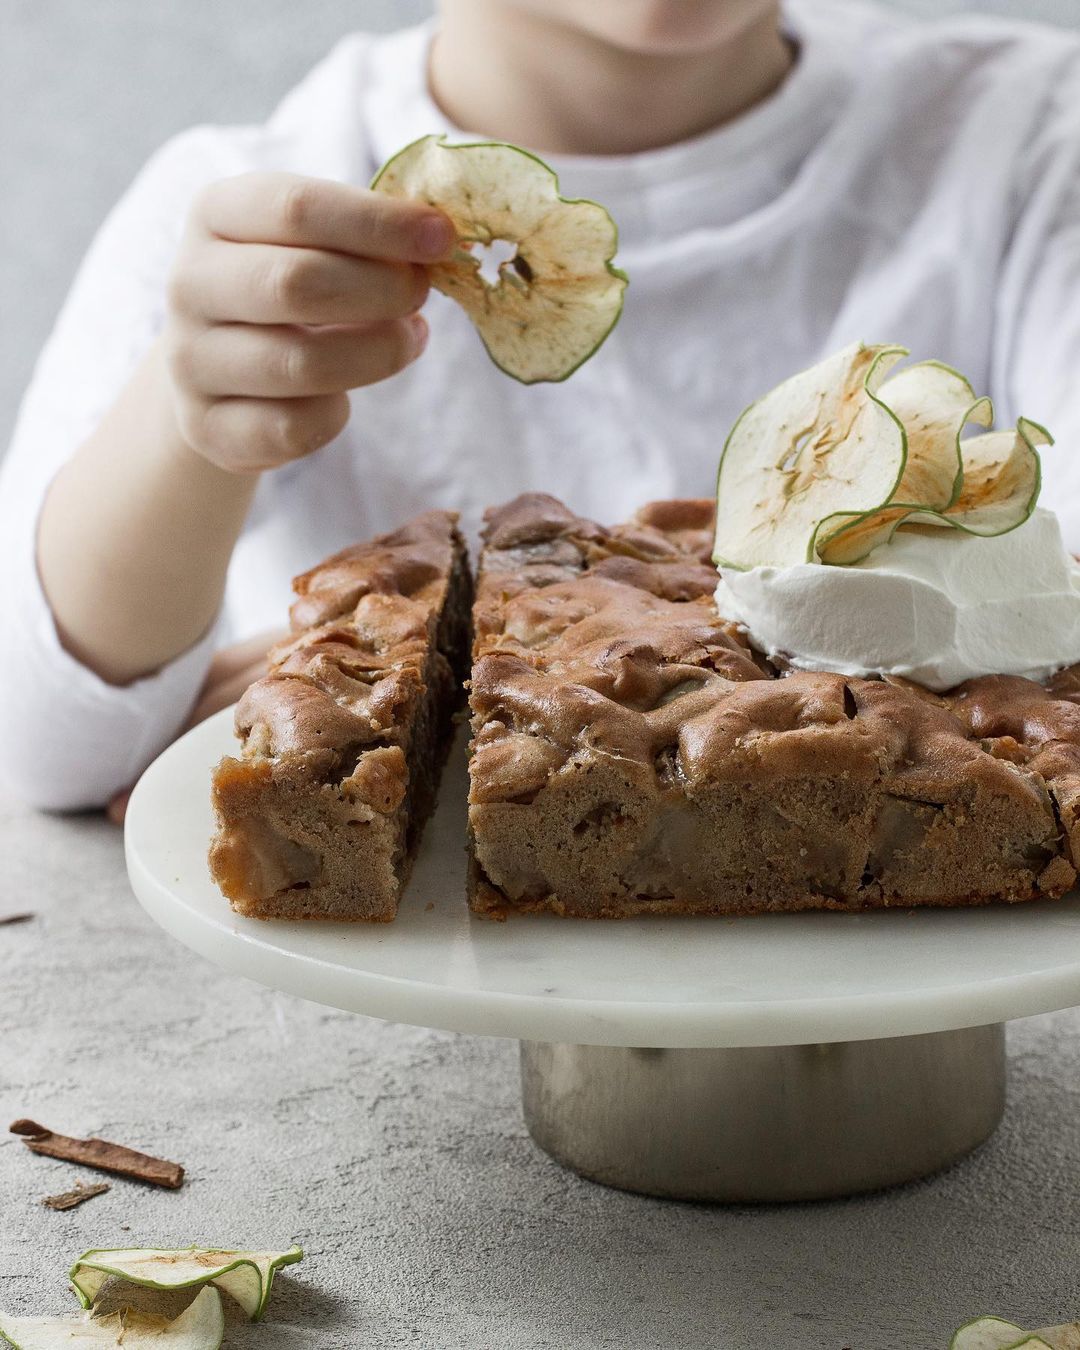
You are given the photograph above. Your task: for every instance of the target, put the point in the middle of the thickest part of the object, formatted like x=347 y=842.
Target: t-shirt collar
x=721 y=175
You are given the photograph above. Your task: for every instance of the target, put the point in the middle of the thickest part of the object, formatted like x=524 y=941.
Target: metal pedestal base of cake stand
x=795 y=1122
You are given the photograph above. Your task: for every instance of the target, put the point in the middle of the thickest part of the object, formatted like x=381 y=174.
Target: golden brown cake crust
x=632 y=754
x=342 y=741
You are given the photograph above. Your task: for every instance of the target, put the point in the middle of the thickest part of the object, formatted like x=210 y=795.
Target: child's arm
x=286 y=293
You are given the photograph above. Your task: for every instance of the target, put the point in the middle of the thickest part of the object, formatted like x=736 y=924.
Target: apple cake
x=344 y=739
x=632 y=754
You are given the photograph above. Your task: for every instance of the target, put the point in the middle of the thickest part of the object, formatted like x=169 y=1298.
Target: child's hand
x=287 y=292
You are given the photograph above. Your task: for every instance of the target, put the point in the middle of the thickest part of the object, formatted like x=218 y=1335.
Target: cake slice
x=343 y=741
x=632 y=754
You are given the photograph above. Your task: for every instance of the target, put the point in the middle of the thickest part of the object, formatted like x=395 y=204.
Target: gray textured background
x=88 y=88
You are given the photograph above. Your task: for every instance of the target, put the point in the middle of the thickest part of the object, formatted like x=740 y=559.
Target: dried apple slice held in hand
x=559 y=296
x=247 y=1276
x=201 y=1326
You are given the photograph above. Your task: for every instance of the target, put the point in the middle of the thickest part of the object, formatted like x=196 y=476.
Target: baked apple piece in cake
x=343 y=741
x=632 y=753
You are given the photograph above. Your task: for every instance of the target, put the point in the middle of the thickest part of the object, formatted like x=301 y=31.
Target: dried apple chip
x=796 y=460
x=247 y=1276
x=1000 y=485
x=1064 y=1337
x=986 y=1333
x=820 y=444
x=1002 y=478
x=201 y=1326
x=559 y=296
x=992 y=1333
x=933 y=403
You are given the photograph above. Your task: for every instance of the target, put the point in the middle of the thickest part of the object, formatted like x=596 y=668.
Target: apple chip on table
x=201 y=1326
x=994 y=1333
x=247 y=1276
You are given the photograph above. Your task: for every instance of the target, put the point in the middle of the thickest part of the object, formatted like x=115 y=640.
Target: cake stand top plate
x=768 y=980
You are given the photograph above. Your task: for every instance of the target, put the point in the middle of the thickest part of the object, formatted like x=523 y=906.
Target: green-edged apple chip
x=246 y=1276
x=934 y=403
x=1000 y=486
x=201 y=1326
x=1002 y=478
x=992 y=1333
x=986 y=1333
x=796 y=461
x=819 y=445
x=559 y=296
x=1065 y=1337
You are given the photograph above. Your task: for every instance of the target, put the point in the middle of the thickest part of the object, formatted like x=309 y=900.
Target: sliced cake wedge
x=343 y=741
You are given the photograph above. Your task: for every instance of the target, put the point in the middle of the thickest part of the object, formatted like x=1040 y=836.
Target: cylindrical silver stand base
x=794 y=1122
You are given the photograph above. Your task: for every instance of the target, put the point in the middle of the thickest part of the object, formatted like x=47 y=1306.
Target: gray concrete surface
x=397 y=1157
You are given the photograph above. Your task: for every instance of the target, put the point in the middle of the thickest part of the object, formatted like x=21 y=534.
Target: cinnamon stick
x=16 y=918
x=106 y=1157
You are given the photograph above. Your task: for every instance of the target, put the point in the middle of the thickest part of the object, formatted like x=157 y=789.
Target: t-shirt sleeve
x=1037 y=350
x=68 y=739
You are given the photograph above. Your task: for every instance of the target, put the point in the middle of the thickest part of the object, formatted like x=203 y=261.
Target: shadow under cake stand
x=780 y=1057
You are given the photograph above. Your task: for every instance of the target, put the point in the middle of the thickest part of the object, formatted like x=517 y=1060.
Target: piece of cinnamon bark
x=78 y=1193
x=99 y=1153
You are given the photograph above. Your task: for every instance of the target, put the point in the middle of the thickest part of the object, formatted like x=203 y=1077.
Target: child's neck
x=512 y=74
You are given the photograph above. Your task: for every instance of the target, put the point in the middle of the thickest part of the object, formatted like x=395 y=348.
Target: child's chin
x=664 y=27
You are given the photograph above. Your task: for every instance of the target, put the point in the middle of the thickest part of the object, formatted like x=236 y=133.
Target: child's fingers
x=286 y=293
x=288 y=362
x=264 y=283
x=282 y=208
x=247 y=435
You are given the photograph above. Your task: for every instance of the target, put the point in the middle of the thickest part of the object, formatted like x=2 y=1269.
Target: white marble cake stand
x=768 y=1058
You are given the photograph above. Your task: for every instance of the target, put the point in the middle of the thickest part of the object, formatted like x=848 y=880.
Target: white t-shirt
x=907 y=183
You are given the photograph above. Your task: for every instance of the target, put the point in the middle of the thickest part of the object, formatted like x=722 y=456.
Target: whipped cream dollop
x=937 y=606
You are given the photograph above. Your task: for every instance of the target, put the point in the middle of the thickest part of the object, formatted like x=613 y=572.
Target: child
x=242 y=382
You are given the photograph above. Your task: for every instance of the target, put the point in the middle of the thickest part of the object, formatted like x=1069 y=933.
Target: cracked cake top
x=362 y=628
x=607 y=640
